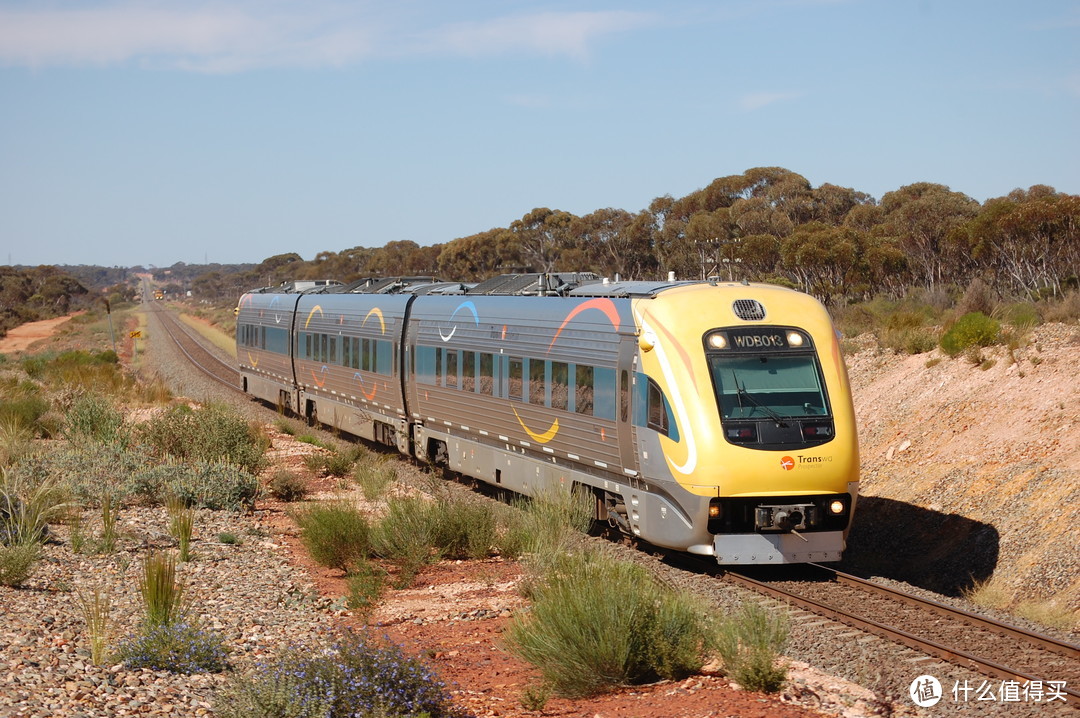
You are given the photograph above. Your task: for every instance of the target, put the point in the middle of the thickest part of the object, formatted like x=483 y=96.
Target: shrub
x=17 y=562
x=85 y=370
x=335 y=533
x=24 y=412
x=287 y=486
x=93 y=418
x=749 y=643
x=227 y=538
x=374 y=478
x=598 y=623
x=462 y=528
x=546 y=525
x=208 y=484
x=905 y=332
x=27 y=506
x=354 y=676
x=405 y=536
x=340 y=462
x=87 y=471
x=181 y=524
x=178 y=647
x=365 y=586
x=213 y=433
x=971 y=330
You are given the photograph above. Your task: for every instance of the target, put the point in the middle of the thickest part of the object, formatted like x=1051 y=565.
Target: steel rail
x=1062 y=648
x=173 y=326
x=962 y=658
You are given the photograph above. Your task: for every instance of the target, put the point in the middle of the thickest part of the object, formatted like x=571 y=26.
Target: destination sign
x=758 y=339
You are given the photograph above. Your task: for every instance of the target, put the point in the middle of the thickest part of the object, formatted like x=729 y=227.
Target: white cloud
x=568 y=34
x=757 y=100
x=235 y=35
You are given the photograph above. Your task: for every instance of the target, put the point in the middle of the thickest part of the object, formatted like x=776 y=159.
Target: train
x=708 y=417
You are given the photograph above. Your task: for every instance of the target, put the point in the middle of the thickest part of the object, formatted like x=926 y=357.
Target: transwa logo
x=787 y=463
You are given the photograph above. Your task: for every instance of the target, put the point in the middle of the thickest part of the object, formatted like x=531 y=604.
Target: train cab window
x=537 y=382
x=514 y=379
x=468 y=371
x=452 y=368
x=583 y=389
x=487 y=374
x=560 y=389
x=757 y=387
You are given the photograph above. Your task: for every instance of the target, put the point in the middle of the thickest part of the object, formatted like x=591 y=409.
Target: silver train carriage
x=708 y=417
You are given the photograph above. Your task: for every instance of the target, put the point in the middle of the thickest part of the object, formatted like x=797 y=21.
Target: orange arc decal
x=315 y=377
x=538 y=438
x=370 y=396
x=378 y=315
x=311 y=314
x=604 y=305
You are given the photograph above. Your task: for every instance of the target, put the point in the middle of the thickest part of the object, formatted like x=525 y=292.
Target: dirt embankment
x=973 y=472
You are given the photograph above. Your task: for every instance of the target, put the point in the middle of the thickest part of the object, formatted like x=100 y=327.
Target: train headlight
x=717 y=341
x=794 y=339
x=714 y=510
x=836 y=507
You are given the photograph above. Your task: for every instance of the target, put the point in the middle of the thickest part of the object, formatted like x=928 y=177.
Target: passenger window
x=514 y=379
x=487 y=374
x=583 y=389
x=468 y=371
x=537 y=382
x=560 y=390
x=451 y=368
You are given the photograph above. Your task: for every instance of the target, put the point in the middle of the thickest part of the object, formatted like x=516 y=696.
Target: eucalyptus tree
x=922 y=217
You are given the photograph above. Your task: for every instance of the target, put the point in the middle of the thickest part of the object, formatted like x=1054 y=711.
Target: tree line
x=766 y=224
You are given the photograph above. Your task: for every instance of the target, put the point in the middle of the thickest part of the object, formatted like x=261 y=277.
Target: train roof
x=572 y=284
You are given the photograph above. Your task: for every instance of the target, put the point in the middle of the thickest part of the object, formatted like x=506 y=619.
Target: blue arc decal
x=464 y=305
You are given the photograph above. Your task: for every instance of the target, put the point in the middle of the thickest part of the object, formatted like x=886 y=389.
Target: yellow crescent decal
x=538 y=438
x=254 y=360
x=311 y=314
x=378 y=314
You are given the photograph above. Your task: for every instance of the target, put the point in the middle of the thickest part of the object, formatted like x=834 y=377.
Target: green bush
x=750 y=643
x=207 y=484
x=598 y=623
x=335 y=533
x=24 y=412
x=177 y=647
x=905 y=332
x=374 y=478
x=87 y=470
x=462 y=528
x=98 y=372
x=971 y=330
x=211 y=433
x=545 y=526
x=406 y=536
x=92 y=417
x=354 y=676
x=287 y=486
x=17 y=562
x=365 y=586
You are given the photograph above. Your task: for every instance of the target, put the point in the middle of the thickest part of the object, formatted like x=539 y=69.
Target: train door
x=624 y=380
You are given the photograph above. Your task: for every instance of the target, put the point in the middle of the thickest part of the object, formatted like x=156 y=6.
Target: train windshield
x=773 y=387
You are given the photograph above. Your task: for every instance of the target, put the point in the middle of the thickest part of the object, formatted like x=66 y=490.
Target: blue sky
x=231 y=131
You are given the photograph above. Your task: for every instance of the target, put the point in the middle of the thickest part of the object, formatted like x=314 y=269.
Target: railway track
x=194 y=350
x=986 y=646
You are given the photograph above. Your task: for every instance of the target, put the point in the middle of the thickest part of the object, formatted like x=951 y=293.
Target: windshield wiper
x=771 y=413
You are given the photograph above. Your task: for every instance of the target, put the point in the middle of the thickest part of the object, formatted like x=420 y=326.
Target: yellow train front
x=754 y=436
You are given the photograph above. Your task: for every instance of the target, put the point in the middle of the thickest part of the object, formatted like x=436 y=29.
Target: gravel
x=247 y=593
